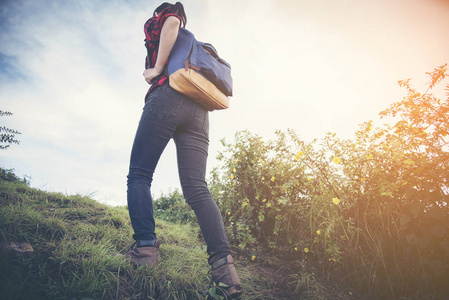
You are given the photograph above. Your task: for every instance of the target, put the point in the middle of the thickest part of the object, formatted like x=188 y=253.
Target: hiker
x=169 y=114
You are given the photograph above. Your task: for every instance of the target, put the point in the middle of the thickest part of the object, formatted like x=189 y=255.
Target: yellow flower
x=272 y=178
x=296 y=248
x=409 y=162
x=336 y=160
x=263 y=178
x=264 y=200
x=306 y=250
x=237 y=160
x=232 y=176
x=229 y=212
x=318 y=231
x=234 y=170
x=369 y=156
x=299 y=155
x=253 y=257
x=309 y=178
x=336 y=200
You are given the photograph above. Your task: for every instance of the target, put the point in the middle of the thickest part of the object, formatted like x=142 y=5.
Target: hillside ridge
x=67 y=251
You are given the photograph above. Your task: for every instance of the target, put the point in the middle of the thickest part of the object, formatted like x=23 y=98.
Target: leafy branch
x=7 y=135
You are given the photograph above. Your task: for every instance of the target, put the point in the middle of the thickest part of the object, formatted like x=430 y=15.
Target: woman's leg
x=192 y=143
x=156 y=128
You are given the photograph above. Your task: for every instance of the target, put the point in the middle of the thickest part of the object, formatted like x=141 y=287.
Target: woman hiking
x=169 y=114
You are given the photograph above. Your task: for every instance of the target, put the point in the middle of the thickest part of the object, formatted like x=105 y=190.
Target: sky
x=71 y=74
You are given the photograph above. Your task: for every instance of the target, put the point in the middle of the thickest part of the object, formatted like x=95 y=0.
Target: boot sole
x=234 y=291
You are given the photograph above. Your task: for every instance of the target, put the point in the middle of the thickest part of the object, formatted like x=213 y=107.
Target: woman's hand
x=150 y=74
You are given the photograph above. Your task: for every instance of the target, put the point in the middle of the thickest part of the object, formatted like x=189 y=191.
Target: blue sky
x=71 y=72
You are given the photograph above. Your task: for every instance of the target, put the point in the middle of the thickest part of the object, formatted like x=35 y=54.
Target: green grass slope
x=74 y=239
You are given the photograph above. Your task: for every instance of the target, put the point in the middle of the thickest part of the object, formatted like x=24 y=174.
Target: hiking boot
x=141 y=256
x=223 y=271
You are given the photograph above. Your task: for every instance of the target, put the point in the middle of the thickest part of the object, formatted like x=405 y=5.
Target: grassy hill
x=73 y=239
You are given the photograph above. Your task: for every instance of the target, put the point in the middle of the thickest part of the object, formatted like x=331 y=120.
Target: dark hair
x=176 y=8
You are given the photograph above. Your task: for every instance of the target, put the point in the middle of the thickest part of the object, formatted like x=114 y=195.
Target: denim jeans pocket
x=164 y=102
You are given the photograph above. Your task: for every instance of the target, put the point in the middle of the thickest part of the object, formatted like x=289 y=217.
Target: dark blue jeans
x=168 y=114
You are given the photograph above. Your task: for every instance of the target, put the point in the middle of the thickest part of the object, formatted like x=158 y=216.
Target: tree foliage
x=7 y=136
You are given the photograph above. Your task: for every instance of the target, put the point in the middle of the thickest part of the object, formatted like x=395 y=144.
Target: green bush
x=373 y=209
x=173 y=208
x=10 y=176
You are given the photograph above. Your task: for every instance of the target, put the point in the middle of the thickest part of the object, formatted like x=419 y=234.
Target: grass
x=74 y=239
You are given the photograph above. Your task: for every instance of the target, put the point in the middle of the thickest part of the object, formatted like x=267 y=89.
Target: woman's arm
x=169 y=34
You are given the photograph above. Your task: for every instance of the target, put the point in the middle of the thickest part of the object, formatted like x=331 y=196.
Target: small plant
x=217 y=291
